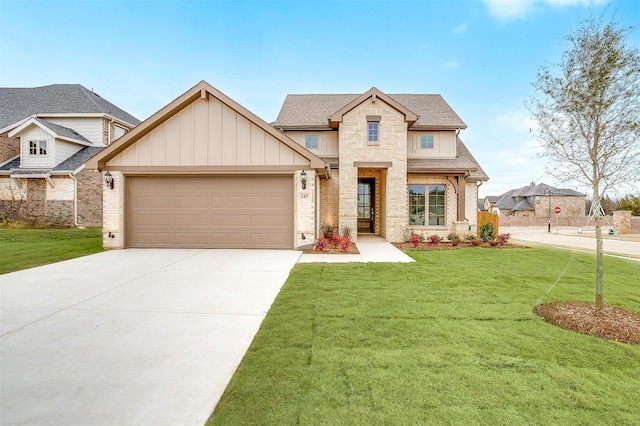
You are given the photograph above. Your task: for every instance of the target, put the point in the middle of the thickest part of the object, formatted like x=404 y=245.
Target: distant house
x=46 y=135
x=536 y=200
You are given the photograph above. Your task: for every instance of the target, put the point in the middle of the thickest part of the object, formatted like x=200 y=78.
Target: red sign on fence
x=557 y=209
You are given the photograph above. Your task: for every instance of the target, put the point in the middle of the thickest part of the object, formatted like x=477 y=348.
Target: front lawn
x=451 y=339
x=26 y=248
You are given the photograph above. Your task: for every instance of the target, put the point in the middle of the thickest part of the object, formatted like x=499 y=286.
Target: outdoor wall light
x=303 y=179
x=108 y=179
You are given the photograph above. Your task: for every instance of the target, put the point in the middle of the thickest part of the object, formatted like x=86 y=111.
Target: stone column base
x=460 y=227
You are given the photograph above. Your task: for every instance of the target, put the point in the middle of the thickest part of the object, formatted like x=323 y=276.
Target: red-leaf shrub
x=345 y=243
x=322 y=243
x=433 y=240
x=336 y=240
x=415 y=240
x=503 y=238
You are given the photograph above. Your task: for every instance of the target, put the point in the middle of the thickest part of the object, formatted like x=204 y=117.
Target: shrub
x=327 y=230
x=433 y=240
x=336 y=240
x=346 y=231
x=503 y=238
x=322 y=243
x=476 y=242
x=470 y=237
x=345 y=243
x=487 y=232
x=453 y=236
x=455 y=241
x=415 y=240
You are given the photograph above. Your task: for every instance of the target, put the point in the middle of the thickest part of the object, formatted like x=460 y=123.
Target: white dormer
x=44 y=145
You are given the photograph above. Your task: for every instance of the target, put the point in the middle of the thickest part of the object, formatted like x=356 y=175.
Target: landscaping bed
x=407 y=246
x=610 y=323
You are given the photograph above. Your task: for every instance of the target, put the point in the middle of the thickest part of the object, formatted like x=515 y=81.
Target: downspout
x=109 y=132
x=75 y=199
x=317 y=207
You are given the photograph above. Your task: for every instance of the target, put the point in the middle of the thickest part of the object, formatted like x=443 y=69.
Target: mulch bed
x=610 y=323
x=330 y=250
x=407 y=246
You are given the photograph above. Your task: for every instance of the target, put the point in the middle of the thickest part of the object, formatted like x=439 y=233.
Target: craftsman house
x=46 y=135
x=206 y=172
x=397 y=163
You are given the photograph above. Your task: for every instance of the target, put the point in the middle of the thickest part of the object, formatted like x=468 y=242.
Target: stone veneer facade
x=392 y=148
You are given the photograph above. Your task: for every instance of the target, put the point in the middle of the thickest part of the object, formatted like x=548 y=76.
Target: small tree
x=631 y=203
x=588 y=115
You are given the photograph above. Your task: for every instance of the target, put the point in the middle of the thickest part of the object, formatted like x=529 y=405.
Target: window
x=426 y=208
x=426 y=142
x=38 y=147
x=118 y=132
x=311 y=141
x=373 y=132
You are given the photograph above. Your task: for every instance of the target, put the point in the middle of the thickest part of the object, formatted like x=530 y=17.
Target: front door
x=366 y=205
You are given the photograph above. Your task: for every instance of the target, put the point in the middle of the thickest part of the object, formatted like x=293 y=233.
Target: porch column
x=461 y=197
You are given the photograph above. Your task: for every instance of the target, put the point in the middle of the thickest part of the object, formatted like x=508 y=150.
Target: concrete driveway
x=131 y=336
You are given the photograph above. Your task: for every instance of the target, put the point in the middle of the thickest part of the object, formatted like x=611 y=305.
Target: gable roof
x=201 y=90
x=373 y=93
x=55 y=130
x=19 y=103
x=513 y=199
x=315 y=110
x=70 y=165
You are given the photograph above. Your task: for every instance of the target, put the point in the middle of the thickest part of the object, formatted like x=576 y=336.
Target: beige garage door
x=210 y=212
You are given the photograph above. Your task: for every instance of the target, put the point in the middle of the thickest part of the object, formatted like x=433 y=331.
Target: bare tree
x=588 y=115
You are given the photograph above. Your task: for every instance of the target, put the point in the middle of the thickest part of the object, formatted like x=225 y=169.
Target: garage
x=210 y=211
x=205 y=172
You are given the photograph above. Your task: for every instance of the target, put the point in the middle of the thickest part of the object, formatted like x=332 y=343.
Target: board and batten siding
x=444 y=144
x=327 y=141
x=208 y=133
x=89 y=127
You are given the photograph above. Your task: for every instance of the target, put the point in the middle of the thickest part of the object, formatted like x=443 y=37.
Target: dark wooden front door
x=366 y=205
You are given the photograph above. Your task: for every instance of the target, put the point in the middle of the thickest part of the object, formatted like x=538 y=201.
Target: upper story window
x=118 y=132
x=37 y=147
x=373 y=131
x=426 y=142
x=311 y=141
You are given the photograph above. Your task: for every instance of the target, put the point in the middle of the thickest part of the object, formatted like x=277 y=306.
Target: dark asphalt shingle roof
x=314 y=109
x=509 y=200
x=71 y=164
x=464 y=161
x=78 y=159
x=19 y=103
x=63 y=131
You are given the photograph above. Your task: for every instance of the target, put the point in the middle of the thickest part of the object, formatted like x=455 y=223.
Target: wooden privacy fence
x=486 y=217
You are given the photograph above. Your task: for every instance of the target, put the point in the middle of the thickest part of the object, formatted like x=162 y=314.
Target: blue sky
x=481 y=55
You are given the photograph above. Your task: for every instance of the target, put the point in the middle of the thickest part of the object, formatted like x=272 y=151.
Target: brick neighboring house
x=46 y=135
x=535 y=200
x=397 y=160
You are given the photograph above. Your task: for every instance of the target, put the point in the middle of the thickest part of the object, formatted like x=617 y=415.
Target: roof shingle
x=19 y=103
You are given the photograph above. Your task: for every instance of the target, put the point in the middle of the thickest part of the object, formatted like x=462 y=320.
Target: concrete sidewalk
x=372 y=248
x=568 y=237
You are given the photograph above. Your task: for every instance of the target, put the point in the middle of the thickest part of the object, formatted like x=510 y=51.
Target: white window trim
x=38 y=146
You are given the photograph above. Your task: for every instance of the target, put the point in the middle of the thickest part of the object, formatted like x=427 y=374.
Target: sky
x=482 y=56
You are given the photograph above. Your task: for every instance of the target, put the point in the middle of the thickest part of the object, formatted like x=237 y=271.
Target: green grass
x=26 y=248
x=448 y=340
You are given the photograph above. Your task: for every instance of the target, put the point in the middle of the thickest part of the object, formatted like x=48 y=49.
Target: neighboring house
x=537 y=200
x=397 y=162
x=206 y=172
x=46 y=135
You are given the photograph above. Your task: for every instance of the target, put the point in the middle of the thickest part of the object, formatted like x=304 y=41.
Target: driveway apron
x=137 y=336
